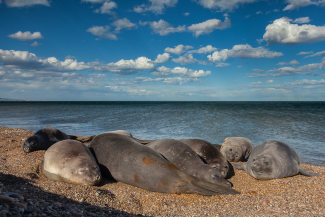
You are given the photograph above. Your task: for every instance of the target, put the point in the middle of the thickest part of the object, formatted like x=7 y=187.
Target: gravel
x=24 y=191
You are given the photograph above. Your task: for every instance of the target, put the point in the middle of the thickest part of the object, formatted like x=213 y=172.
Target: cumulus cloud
x=164 y=28
x=24 y=3
x=94 y=1
x=322 y=53
x=243 y=51
x=302 y=20
x=23 y=60
x=161 y=58
x=209 y=26
x=222 y=5
x=102 y=32
x=294 y=4
x=123 y=24
x=292 y=62
x=186 y=14
x=258 y=70
x=287 y=71
x=178 y=49
x=207 y=49
x=157 y=6
x=305 y=53
x=281 y=31
x=184 y=72
x=35 y=44
x=26 y=36
x=222 y=64
x=106 y=8
x=186 y=59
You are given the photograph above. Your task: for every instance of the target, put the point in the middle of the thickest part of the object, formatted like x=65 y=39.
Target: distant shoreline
x=19 y=100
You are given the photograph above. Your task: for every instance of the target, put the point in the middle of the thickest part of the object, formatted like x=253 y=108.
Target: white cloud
x=94 y=1
x=186 y=59
x=26 y=36
x=302 y=20
x=178 y=49
x=322 y=53
x=208 y=26
x=281 y=31
x=23 y=3
x=184 y=72
x=207 y=49
x=243 y=52
x=123 y=24
x=308 y=82
x=35 y=44
x=295 y=4
x=304 y=53
x=259 y=12
x=157 y=6
x=102 y=32
x=106 y=8
x=223 y=4
x=70 y=57
x=222 y=64
x=292 y=62
x=23 y=60
x=164 y=28
x=269 y=81
x=258 y=70
x=161 y=58
x=186 y=14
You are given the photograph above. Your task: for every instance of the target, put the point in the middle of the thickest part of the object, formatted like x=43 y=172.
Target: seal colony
x=120 y=156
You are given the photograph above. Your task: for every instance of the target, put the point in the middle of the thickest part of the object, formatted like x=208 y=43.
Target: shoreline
x=19 y=173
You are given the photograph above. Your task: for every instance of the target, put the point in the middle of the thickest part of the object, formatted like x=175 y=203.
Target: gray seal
x=71 y=161
x=130 y=162
x=186 y=159
x=273 y=160
x=210 y=154
x=43 y=139
x=236 y=149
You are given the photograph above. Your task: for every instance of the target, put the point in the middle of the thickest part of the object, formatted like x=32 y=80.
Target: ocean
x=298 y=124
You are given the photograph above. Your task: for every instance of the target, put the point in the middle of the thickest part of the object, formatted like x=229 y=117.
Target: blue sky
x=211 y=50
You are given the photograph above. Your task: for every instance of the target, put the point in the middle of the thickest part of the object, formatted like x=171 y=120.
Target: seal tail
x=306 y=173
x=199 y=186
x=239 y=166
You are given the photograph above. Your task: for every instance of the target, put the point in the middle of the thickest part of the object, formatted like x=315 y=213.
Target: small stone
x=82 y=200
x=6 y=199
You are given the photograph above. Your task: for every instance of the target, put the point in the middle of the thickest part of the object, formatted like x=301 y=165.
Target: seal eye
x=253 y=159
x=266 y=163
x=230 y=149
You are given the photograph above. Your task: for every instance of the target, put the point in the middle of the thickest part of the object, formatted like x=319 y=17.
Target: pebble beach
x=24 y=191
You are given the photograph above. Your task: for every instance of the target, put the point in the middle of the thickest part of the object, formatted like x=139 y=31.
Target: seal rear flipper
x=199 y=183
x=306 y=173
x=239 y=166
x=73 y=137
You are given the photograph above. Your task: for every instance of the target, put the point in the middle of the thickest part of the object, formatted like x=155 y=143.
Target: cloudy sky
x=211 y=50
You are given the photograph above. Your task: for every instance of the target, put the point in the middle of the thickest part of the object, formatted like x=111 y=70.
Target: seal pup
x=186 y=159
x=210 y=155
x=43 y=139
x=132 y=163
x=236 y=149
x=273 y=160
x=71 y=161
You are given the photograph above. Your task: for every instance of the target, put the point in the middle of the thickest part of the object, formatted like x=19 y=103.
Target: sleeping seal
x=186 y=159
x=236 y=149
x=71 y=161
x=273 y=160
x=211 y=155
x=43 y=139
x=128 y=161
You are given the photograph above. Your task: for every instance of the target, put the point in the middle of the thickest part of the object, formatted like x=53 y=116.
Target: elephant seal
x=210 y=155
x=186 y=159
x=273 y=160
x=236 y=149
x=43 y=139
x=71 y=161
x=132 y=163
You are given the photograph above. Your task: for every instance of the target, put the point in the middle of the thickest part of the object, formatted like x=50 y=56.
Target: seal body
x=132 y=163
x=236 y=149
x=43 y=139
x=71 y=161
x=273 y=160
x=186 y=159
x=210 y=155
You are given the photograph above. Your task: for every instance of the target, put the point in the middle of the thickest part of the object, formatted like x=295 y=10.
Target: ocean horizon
x=299 y=124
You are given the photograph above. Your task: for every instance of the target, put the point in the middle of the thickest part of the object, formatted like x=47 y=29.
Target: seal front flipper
x=306 y=173
x=197 y=184
x=239 y=166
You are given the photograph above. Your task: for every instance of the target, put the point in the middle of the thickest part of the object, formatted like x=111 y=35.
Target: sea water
x=298 y=124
